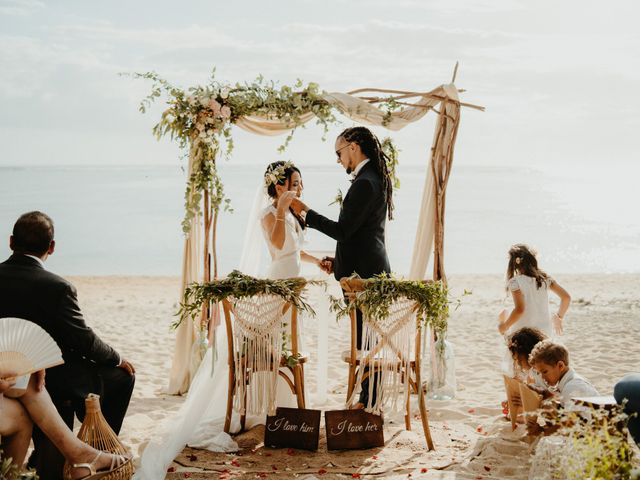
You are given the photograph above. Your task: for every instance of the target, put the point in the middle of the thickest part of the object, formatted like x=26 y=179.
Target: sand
x=473 y=440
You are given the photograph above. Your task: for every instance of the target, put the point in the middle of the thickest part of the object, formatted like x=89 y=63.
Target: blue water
x=126 y=220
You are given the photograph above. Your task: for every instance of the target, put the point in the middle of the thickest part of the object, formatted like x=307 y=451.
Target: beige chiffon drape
x=361 y=111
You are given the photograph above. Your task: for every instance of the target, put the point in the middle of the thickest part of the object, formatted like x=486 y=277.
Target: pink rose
x=225 y=112
x=214 y=106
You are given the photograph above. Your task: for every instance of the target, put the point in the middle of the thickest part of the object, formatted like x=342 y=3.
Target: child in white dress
x=529 y=287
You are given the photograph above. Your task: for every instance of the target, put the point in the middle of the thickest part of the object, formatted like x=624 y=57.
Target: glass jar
x=442 y=372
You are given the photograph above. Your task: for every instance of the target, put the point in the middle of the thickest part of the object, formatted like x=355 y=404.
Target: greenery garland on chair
x=239 y=285
x=431 y=297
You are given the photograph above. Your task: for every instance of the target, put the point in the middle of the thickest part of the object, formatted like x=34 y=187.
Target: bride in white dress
x=200 y=420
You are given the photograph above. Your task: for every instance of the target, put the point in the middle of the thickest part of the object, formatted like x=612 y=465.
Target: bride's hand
x=285 y=201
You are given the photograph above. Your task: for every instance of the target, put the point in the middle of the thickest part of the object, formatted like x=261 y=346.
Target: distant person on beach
x=29 y=291
x=529 y=287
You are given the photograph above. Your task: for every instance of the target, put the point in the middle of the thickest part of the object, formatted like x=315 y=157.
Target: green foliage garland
x=10 y=471
x=595 y=444
x=239 y=285
x=392 y=152
x=432 y=299
x=200 y=119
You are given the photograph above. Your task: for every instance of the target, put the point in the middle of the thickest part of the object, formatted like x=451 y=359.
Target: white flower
x=224 y=93
x=204 y=101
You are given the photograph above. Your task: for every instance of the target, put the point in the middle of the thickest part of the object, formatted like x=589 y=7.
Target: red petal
x=424 y=470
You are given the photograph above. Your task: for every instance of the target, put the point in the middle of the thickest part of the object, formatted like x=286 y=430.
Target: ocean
x=125 y=220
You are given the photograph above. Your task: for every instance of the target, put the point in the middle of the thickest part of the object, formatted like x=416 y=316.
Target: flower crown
x=274 y=176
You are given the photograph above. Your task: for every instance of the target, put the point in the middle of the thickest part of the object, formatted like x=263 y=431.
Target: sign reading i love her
x=353 y=429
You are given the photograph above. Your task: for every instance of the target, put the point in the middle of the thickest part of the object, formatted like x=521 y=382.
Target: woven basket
x=95 y=431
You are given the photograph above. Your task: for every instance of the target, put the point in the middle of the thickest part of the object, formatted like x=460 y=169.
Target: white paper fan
x=26 y=347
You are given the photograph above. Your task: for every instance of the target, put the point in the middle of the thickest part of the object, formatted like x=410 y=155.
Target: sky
x=558 y=79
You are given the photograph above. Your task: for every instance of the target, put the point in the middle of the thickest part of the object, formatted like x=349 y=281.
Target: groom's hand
x=298 y=206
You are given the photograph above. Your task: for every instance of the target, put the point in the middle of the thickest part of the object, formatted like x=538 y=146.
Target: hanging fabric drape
x=187 y=332
x=360 y=108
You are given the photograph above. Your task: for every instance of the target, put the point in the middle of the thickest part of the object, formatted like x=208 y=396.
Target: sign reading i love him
x=293 y=427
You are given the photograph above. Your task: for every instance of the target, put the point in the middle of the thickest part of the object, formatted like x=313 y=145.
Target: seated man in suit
x=29 y=291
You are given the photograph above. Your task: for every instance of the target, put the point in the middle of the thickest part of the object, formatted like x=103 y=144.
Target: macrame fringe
x=392 y=338
x=257 y=337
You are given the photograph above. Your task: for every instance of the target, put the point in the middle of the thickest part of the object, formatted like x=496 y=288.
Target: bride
x=200 y=420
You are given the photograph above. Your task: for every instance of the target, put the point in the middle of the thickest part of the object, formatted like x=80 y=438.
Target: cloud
x=20 y=7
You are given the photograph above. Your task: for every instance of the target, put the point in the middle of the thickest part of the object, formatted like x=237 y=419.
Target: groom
x=360 y=228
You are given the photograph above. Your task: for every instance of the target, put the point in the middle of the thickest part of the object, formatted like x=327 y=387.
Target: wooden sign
x=293 y=427
x=353 y=429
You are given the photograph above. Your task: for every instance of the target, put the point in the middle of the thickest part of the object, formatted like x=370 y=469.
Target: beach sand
x=473 y=440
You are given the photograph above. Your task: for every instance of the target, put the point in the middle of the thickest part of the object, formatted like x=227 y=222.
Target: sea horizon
x=125 y=219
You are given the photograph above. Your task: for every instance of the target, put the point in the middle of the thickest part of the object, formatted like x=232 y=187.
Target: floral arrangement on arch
x=200 y=119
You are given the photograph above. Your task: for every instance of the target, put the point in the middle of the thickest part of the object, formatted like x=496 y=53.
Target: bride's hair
x=371 y=148
x=282 y=172
x=522 y=259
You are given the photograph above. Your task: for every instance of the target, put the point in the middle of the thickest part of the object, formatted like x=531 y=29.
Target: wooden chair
x=531 y=400
x=370 y=363
x=268 y=316
x=512 y=387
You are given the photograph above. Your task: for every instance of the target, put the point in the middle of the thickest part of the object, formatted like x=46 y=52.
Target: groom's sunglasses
x=341 y=148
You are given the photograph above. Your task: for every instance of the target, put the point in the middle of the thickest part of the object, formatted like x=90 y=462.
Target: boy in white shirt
x=551 y=360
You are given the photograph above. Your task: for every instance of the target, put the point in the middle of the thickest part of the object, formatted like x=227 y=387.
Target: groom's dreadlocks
x=371 y=148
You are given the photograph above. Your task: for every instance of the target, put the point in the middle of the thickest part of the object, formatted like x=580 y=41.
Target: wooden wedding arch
x=392 y=109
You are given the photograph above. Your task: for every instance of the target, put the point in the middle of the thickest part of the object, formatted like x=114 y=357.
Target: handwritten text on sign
x=293 y=427
x=353 y=429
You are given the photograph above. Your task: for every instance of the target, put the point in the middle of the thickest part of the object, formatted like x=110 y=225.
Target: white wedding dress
x=200 y=420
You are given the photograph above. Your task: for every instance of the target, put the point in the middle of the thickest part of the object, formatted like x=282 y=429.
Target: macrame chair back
x=96 y=432
x=255 y=334
x=388 y=345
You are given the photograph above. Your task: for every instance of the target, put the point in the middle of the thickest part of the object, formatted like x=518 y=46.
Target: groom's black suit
x=29 y=291
x=359 y=230
x=359 y=233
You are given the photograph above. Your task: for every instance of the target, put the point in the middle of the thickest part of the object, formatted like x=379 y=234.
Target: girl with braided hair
x=360 y=229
